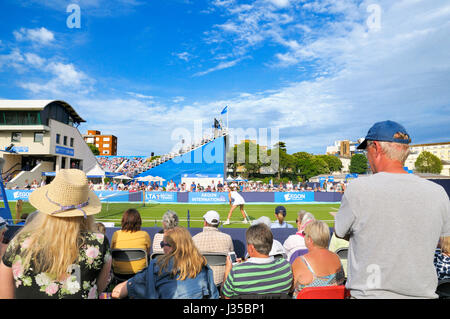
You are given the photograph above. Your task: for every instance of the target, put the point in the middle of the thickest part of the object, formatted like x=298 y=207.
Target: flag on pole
x=225 y=109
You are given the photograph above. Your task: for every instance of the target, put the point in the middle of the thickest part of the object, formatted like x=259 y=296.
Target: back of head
x=170 y=219
x=187 y=259
x=54 y=242
x=261 y=237
x=319 y=232
x=131 y=220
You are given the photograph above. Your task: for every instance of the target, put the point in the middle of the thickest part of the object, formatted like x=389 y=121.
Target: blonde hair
x=319 y=233
x=187 y=259
x=445 y=244
x=54 y=242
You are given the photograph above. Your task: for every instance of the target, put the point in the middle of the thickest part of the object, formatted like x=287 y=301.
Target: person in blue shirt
x=181 y=273
x=280 y=214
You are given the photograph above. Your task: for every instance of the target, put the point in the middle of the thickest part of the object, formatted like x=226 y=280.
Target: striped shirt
x=259 y=276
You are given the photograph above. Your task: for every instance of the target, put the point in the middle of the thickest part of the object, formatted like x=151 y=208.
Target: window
x=90 y=140
x=16 y=137
x=38 y=137
x=71 y=142
x=58 y=138
x=105 y=145
x=65 y=140
x=105 y=152
x=106 y=139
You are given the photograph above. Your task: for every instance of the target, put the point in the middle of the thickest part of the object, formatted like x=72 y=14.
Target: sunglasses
x=162 y=244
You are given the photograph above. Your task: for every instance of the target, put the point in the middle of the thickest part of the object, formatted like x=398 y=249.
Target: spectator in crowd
x=261 y=273
x=277 y=248
x=182 y=272
x=45 y=258
x=211 y=240
x=130 y=236
x=442 y=258
x=236 y=200
x=296 y=241
x=280 y=215
x=100 y=228
x=319 y=267
x=379 y=214
x=169 y=221
x=3 y=229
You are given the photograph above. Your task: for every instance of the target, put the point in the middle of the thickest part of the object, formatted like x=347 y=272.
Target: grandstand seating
x=191 y=162
x=133 y=166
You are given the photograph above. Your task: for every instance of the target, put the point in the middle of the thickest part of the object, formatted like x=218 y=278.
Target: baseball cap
x=212 y=217
x=384 y=131
x=280 y=209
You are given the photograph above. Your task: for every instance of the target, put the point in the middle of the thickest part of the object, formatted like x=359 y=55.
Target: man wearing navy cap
x=393 y=221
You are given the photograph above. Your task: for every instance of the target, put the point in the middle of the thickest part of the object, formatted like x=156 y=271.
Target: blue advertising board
x=161 y=197
x=64 y=150
x=294 y=197
x=208 y=197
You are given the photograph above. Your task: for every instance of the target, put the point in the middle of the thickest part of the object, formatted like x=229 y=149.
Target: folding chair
x=216 y=259
x=342 y=252
x=296 y=254
x=128 y=255
x=443 y=289
x=325 y=292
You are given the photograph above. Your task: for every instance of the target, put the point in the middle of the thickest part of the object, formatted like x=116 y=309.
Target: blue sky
x=317 y=70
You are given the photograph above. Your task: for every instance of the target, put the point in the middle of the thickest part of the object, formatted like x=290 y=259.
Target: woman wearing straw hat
x=58 y=254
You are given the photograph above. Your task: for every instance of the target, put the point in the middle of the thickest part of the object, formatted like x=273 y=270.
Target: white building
x=441 y=150
x=43 y=136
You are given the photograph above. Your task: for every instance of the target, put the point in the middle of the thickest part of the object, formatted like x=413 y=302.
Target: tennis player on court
x=235 y=200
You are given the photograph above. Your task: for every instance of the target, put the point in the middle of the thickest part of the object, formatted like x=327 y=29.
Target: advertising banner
x=208 y=198
x=294 y=197
x=161 y=197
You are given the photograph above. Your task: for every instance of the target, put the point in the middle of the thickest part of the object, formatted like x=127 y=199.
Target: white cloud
x=40 y=36
x=184 y=56
x=220 y=66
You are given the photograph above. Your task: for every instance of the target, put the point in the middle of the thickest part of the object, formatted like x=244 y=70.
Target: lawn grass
x=152 y=213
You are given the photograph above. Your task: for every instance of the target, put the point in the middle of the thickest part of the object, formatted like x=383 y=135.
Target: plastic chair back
x=325 y=292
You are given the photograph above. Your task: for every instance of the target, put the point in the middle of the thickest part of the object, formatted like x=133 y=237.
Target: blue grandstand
x=206 y=158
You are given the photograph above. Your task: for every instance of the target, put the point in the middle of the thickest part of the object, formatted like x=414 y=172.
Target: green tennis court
x=152 y=213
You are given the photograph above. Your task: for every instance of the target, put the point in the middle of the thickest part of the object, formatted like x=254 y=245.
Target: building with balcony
x=106 y=144
x=38 y=136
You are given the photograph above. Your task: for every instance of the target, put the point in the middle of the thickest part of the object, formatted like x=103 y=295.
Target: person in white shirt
x=235 y=200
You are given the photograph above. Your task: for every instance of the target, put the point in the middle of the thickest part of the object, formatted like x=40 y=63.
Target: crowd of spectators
x=217 y=186
x=125 y=165
x=393 y=236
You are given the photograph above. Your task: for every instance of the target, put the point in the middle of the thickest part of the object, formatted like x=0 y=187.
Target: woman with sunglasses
x=181 y=273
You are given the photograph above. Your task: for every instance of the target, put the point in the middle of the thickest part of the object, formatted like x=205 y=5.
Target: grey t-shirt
x=394 y=222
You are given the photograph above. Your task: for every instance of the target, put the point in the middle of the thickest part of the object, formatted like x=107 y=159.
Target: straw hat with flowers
x=68 y=195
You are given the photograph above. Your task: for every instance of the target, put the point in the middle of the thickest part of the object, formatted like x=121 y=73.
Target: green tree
x=428 y=163
x=358 y=164
x=94 y=149
x=333 y=162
